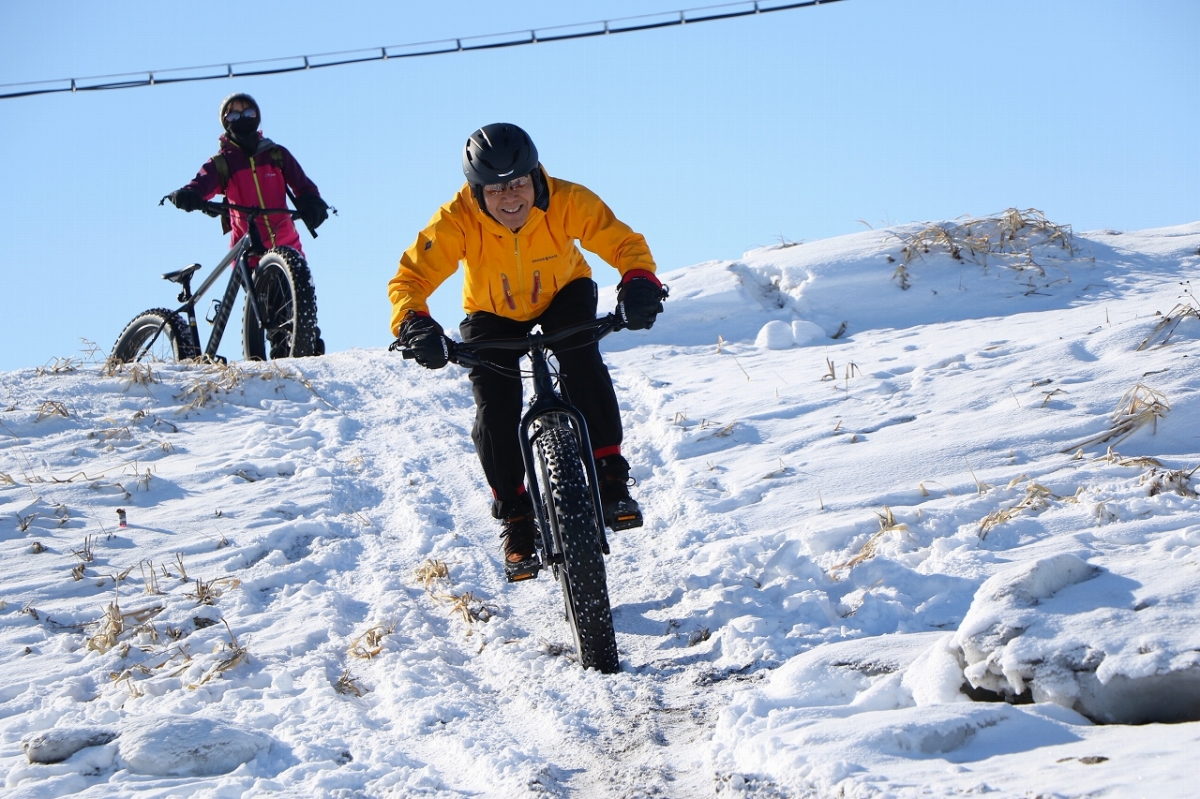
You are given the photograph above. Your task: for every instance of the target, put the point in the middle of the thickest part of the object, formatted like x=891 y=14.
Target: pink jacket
x=258 y=180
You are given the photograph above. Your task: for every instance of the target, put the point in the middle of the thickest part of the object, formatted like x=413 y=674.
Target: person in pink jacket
x=252 y=170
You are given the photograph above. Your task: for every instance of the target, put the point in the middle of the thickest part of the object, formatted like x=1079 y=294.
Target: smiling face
x=511 y=207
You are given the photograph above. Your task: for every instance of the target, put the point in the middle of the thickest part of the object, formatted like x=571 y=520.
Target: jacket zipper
x=537 y=286
x=261 y=202
x=520 y=271
x=508 y=297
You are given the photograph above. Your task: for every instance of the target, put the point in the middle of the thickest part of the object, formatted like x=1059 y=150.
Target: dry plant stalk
x=88 y=553
x=369 y=644
x=139 y=374
x=469 y=607
x=1009 y=238
x=1176 y=315
x=887 y=524
x=217 y=377
x=149 y=577
x=348 y=684
x=1037 y=497
x=52 y=408
x=237 y=653
x=207 y=593
x=1138 y=407
x=112 y=624
x=58 y=367
x=1177 y=480
x=1114 y=457
x=432 y=571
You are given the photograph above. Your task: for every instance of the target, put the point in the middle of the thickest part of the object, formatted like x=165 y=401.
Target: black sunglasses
x=248 y=113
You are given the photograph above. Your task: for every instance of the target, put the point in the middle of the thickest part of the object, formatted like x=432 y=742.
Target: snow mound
x=57 y=745
x=1022 y=639
x=188 y=747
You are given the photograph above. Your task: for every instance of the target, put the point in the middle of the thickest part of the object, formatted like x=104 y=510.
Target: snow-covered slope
x=872 y=511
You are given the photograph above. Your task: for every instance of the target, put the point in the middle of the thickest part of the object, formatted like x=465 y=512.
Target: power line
x=278 y=66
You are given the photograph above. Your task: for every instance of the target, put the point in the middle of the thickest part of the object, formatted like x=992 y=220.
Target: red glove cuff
x=632 y=273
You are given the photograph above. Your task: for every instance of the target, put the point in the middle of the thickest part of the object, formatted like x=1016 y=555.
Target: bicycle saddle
x=181 y=275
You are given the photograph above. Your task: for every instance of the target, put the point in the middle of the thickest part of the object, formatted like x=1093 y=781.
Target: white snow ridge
x=920 y=521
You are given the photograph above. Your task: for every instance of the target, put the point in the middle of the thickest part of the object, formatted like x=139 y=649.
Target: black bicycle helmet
x=245 y=98
x=498 y=153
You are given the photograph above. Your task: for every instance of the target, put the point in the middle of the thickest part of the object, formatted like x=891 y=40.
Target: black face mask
x=243 y=131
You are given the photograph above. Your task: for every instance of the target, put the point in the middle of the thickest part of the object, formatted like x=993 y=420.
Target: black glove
x=424 y=337
x=186 y=200
x=639 y=302
x=313 y=210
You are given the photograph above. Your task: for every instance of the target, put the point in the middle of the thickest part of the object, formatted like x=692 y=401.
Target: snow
x=872 y=514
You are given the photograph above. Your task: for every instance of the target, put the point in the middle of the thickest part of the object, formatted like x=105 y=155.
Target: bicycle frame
x=241 y=277
x=546 y=402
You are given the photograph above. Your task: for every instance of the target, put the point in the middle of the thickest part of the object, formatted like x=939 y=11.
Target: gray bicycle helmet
x=498 y=153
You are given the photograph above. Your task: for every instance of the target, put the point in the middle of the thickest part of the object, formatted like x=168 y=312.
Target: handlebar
x=215 y=209
x=466 y=353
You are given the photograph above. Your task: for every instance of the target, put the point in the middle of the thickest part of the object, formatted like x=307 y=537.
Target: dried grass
x=59 y=366
x=370 y=643
x=113 y=623
x=236 y=653
x=134 y=374
x=1037 y=497
x=87 y=553
x=348 y=684
x=207 y=593
x=1177 y=480
x=434 y=575
x=52 y=408
x=431 y=572
x=887 y=524
x=1168 y=323
x=1138 y=407
x=1009 y=239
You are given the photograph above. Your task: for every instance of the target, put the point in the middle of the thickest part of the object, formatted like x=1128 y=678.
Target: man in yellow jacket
x=515 y=228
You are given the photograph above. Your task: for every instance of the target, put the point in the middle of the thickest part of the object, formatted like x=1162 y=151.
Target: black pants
x=585 y=383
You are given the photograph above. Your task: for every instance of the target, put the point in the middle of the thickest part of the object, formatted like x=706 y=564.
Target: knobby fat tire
x=166 y=324
x=288 y=299
x=584 y=585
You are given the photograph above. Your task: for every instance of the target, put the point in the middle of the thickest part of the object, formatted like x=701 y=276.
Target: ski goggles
x=248 y=113
x=513 y=185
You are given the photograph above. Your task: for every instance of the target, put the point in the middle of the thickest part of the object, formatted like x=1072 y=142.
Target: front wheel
x=572 y=517
x=155 y=335
x=288 y=302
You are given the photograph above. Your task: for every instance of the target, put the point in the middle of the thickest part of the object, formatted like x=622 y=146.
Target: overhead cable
x=277 y=66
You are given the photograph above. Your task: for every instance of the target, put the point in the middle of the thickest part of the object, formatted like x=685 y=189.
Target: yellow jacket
x=514 y=275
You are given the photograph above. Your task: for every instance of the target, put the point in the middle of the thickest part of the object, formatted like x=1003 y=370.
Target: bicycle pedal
x=523 y=569
x=624 y=521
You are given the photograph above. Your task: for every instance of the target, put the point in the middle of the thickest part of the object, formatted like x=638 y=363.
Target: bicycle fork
x=545 y=405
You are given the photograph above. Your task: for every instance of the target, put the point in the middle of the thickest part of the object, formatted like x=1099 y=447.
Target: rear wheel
x=572 y=517
x=288 y=301
x=155 y=335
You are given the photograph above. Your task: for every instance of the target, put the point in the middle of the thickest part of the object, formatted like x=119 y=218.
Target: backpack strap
x=222 y=167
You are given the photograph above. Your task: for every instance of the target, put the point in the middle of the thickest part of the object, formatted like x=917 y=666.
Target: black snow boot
x=620 y=510
x=520 y=536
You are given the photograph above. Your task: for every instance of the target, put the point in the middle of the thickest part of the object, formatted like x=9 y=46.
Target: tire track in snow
x=618 y=735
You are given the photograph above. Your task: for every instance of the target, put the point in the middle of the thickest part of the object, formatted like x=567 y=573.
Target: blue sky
x=710 y=139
